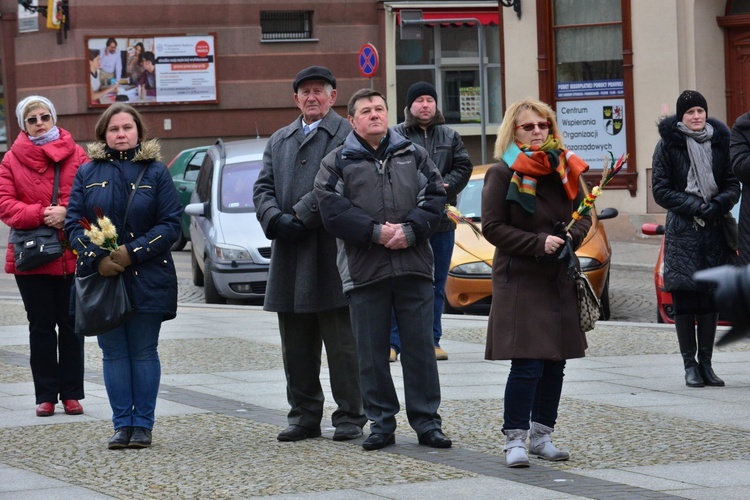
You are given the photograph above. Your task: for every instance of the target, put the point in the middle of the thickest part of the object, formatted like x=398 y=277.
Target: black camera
x=732 y=297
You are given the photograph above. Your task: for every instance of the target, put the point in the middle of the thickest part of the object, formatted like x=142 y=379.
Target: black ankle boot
x=709 y=377
x=693 y=377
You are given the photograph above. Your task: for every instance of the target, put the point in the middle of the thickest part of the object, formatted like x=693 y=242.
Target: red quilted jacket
x=27 y=174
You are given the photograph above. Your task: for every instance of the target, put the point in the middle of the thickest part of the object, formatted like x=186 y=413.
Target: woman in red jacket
x=27 y=175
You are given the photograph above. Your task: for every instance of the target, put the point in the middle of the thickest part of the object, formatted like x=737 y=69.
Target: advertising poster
x=142 y=70
x=470 y=101
x=593 y=128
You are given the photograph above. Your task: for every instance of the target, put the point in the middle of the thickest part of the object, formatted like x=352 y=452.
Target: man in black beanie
x=424 y=124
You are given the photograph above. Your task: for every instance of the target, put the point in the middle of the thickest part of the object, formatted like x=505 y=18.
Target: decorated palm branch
x=456 y=216
x=611 y=168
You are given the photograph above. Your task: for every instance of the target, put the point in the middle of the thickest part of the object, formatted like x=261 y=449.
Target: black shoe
x=346 y=431
x=378 y=440
x=693 y=377
x=141 y=438
x=709 y=377
x=120 y=439
x=435 y=439
x=298 y=433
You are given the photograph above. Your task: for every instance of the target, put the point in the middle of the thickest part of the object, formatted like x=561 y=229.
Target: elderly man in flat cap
x=304 y=287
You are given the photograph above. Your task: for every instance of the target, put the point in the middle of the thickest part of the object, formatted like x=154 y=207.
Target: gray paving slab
x=633 y=428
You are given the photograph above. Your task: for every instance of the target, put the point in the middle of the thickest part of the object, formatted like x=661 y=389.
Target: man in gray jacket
x=383 y=198
x=304 y=287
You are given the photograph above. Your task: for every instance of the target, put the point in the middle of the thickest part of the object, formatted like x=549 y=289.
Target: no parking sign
x=368 y=60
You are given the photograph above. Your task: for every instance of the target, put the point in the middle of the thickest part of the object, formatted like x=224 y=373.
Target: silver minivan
x=230 y=252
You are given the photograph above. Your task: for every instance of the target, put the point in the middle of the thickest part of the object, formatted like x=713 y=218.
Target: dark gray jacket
x=357 y=192
x=446 y=150
x=739 y=150
x=303 y=277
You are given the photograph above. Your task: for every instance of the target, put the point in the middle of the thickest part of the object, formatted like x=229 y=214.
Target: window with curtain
x=588 y=40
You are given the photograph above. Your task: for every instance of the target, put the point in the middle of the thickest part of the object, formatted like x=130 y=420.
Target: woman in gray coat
x=534 y=315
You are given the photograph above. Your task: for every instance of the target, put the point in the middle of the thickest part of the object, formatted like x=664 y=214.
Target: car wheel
x=197 y=273
x=659 y=319
x=606 y=312
x=210 y=293
x=180 y=243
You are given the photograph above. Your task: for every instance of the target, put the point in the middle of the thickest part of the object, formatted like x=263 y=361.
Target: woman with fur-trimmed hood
x=692 y=178
x=130 y=359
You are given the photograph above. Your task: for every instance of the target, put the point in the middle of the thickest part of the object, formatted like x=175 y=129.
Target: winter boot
x=541 y=444
x=685 y=326
x=706 y=335
x=515 y=448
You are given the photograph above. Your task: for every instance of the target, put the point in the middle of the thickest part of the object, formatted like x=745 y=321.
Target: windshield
x=470 y=200
x=236 y=190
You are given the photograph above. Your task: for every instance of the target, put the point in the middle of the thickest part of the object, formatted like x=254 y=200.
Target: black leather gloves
x=287 y=227
x=710 y=211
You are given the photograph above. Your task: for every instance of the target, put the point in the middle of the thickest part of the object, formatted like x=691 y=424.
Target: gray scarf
x=700 y=179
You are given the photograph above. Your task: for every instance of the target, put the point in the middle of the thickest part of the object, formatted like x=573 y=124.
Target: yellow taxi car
x=469 y=284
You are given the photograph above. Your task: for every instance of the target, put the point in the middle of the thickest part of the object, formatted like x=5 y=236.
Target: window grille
x=286 y=25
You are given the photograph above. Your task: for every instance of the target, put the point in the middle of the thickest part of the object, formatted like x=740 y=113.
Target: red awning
x=486 y=17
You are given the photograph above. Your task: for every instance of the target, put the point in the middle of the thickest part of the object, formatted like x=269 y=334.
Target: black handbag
x=35 y=247
x=102 y=302
x=729 y=228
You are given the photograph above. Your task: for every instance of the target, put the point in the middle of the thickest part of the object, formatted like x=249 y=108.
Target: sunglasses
x=33 y=119
x=528 y=127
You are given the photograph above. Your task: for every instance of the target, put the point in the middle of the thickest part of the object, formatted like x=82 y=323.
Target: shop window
x=448 y=58
x=286 y=25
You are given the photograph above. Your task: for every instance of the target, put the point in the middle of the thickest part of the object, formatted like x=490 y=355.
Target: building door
x=736 y=24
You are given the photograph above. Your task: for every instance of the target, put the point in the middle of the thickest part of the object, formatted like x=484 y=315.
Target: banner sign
x=142 y=70
x=593 y=128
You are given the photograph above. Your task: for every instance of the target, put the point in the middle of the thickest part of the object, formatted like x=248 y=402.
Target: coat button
x=303 y=162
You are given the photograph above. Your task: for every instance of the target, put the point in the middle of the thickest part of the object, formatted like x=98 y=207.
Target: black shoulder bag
x=102 y=302
x=35 y=247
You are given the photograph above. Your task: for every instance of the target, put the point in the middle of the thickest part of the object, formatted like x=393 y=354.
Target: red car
x=664 y=305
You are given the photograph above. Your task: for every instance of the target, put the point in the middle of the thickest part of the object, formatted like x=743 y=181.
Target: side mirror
x=198 y=209
x=608 y=213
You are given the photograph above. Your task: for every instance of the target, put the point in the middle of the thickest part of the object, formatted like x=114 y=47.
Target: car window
x=237 y=181
x=470 y=199
x=194 y=166
x=205 y=179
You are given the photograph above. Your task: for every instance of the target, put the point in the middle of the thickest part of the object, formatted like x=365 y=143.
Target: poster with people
x=142 y=70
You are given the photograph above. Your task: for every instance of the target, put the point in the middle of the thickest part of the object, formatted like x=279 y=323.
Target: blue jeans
x=132 y=370
x=442 y=249
x=532 y=393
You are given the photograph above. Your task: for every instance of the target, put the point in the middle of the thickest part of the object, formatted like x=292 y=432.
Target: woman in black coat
x=693 y=180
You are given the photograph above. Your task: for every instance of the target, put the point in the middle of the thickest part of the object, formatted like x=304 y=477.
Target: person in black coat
x=692 y=178
x=739 y=152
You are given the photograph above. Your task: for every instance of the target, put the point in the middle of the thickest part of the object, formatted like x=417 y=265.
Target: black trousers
x=56 y=350
x=302 y=338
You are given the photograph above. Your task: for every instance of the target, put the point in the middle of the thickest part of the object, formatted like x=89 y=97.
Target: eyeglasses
x=33 y=119
x=528 y=127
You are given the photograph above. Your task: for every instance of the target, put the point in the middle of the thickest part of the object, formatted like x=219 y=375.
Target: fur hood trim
x=150 y=150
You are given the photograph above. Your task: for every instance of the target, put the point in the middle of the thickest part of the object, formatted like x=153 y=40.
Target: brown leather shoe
x=72 y=407
x=440 y=354
x=45 y=410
